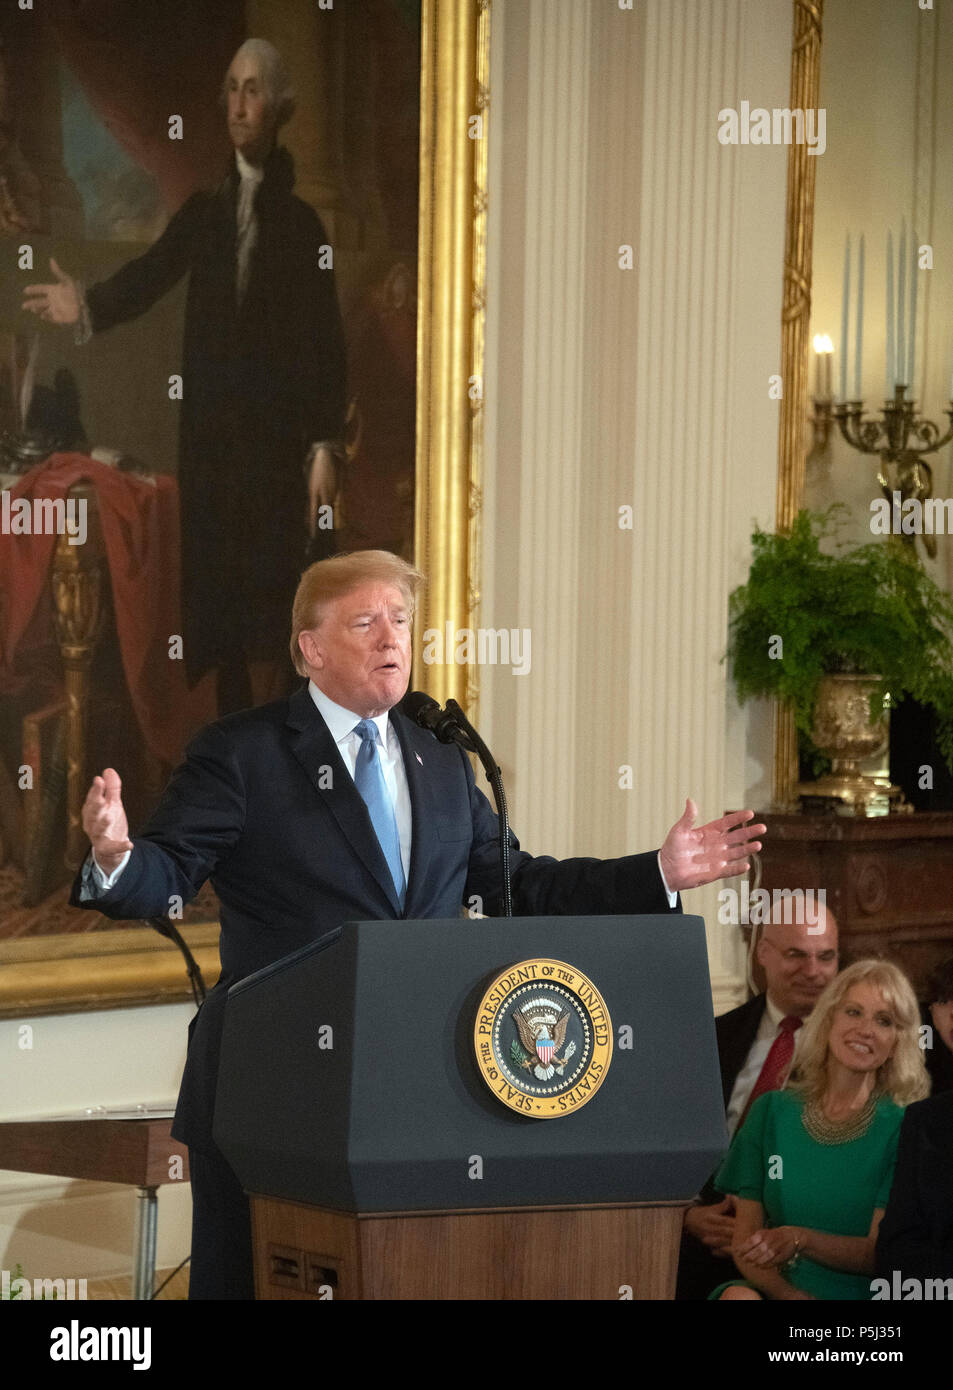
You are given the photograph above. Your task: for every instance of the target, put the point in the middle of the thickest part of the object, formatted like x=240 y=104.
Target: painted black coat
x=261 y=383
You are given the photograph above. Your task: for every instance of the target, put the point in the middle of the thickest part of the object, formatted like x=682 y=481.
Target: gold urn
x=843 y=731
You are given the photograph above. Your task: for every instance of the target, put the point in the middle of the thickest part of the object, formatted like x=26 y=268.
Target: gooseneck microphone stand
x=450 y=725
x=476 y=745
x=165 y=928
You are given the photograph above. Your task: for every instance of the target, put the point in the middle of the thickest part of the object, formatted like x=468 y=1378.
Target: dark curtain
x=141 y=61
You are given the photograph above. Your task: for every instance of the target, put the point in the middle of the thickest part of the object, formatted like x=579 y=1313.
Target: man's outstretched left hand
x=692 y=857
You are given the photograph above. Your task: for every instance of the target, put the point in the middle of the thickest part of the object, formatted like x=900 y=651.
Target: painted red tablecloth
x=140 y=525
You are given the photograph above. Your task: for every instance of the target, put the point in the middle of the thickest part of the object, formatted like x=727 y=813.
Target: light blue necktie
x=369 y=780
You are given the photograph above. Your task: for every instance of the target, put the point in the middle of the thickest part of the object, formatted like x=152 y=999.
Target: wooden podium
x=304 y=1252
x=381 y=1165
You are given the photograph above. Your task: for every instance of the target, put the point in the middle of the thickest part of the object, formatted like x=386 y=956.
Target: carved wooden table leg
x=77 y=596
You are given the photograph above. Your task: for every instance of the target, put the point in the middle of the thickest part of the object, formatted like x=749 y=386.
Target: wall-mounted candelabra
x=897 y=433
x=902 y=438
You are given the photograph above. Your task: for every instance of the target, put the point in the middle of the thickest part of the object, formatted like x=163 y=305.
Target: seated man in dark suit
x=332 y=806
x=937 y=1017
x=756 y=1043
x=915 y=1240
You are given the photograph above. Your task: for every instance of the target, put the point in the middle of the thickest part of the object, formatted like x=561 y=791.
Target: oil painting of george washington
x=210 y=350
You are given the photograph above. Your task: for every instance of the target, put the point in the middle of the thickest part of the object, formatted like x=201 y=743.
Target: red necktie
x=776 y=1063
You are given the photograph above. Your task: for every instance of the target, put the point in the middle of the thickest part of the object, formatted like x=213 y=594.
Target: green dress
x=799 y=1182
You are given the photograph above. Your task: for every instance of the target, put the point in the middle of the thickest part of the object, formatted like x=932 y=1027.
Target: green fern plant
x=869 y=609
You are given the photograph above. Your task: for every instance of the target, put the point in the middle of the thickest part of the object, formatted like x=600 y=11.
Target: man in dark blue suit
x=330 y=807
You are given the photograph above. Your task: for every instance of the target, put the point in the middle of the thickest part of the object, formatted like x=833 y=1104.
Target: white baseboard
x=32 y=1189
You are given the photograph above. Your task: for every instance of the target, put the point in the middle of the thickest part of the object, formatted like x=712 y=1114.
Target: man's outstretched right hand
x=104 y=821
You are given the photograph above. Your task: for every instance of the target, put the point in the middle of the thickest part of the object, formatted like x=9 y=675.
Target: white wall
x=646 y=387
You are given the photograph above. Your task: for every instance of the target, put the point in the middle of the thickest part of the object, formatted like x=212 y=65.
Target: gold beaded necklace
x=827 y=1131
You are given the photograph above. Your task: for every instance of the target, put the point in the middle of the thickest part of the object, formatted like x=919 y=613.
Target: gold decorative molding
x=454 y=89
x=795 y=325
x=101 y=970
x=478 y=353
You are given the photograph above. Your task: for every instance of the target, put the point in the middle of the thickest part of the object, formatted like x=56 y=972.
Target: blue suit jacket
x=292 y=857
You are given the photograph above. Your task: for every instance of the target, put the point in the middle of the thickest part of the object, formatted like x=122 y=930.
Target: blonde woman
x=811 y=1167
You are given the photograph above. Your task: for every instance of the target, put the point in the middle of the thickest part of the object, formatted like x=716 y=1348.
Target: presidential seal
x=543 y=1038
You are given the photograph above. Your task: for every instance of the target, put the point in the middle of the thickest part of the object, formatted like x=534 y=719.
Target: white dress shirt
x=757 y=1053
x=250 y=176
x=341 y=724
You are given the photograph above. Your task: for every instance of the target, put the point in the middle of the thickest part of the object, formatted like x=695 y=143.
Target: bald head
x=798 y=959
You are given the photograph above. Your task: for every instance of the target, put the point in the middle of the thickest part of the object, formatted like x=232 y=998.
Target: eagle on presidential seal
x=542 y=1025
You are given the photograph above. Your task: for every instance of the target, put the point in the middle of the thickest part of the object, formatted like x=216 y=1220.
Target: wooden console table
x=136 y=1152
x=888 y=879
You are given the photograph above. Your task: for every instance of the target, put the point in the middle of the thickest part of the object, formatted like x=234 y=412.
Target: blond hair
x=331 y=579
x=903 y=1077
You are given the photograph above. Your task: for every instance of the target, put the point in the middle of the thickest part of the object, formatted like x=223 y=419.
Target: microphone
x=442 y=723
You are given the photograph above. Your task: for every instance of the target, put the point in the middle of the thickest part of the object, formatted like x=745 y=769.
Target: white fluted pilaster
x=646 y=387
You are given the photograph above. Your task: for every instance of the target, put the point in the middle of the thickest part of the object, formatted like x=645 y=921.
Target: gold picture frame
x=795 y=325
x=116 y=969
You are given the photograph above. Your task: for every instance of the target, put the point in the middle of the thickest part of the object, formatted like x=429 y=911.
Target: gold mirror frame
x=116 y=969
x=795 y=324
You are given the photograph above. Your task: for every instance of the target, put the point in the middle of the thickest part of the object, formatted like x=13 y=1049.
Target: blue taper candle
x=858 y=345
x=891 y=361
x=901 y=289
x=912 y=347
x=845 y=302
